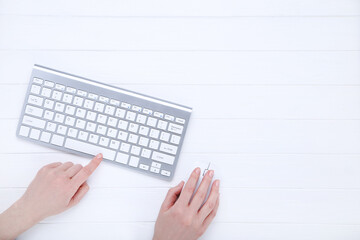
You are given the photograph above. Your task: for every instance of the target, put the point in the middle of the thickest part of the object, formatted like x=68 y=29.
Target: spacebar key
x=89 y=148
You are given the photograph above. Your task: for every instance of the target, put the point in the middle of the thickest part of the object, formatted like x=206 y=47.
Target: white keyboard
x=85 y=117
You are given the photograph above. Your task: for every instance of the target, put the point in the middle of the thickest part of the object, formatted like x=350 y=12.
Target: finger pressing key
x=86 y=171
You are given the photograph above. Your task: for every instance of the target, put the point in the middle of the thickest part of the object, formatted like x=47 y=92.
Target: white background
x=275 y=87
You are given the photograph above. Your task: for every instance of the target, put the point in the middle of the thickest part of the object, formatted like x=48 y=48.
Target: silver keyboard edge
x=112 y=88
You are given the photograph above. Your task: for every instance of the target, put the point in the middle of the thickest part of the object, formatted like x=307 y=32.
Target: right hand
x=180 y=218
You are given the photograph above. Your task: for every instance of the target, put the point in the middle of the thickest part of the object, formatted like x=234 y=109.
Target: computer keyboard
x=85 y=117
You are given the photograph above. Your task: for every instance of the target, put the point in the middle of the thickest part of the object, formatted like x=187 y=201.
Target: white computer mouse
x=204 y=166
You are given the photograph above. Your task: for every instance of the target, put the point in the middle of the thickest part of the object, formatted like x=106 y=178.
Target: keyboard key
x=35 y=89
x=49 y=104
x=89 y=148
x=104 y=99
x=151 y=122
x=158 y=114
x=57 y=140
x=136 y=108
x=114 y=102
x=110 y=110
x=165 y=173
x=144 y=167
x=104 y=141
x=91 y=116
x=144 y=130
x=59 y=118
x=169 y=117
x=120 y=113
x=78 y=101
x=143 y=141
x=134 y=161
x=164 y=158
x=24 y=131
x=164 y=147
x=133 y=138
x=38 y=81
x=57 y=95
x=45 y=137
x=125 y=105
x=33 y=122
x=60 y=87
x=154 y=144
x=67 y=98
x=156 y=164
x=146 y=153
x=133 y=127
x=164 y=136
x=70 y=110
x=90 y=126
x=112 y=133
x=70 y=121
x=122 y=135
x=83 y=135
x=141 y=119
x=71 y=90
x=175 y=139
x=154 y=133
x=114 y=144
x=112 y=122
x=35 y=111
x=99 y=107
x=93 y=138
x=180 y=120
x=81 y=93
x=154 y=170
x=51 y=126
x=38 y=101
x=122 y=158
x=49 y=84
x=130 y=116
x=93 y=96
x=46 y=92
x=175 y=128
x=59 y=107
x=101 y=129
x=61 y=130
x=135 y=150
x=147 y=111
x=80 y=113
x=125 y=147
x=123 y=124
x=101 y=119
x=49 y=115
x=80 y=124
x=162 y=125
x=89 y=104
x=72 y=132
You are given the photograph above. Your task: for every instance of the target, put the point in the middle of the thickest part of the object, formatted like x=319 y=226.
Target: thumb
x=80 y=193
x=172 y=196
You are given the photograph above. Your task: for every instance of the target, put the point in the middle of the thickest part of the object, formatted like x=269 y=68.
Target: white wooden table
x=275 y=87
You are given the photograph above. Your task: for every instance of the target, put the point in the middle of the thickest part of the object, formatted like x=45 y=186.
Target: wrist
x=16 y=220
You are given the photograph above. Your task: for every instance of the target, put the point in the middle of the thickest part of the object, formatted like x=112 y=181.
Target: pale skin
x=60 y=186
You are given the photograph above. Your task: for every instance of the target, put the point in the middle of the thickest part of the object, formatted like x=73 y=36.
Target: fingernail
x=211 y=173
x=217 y=183
x=99 y=155
x=197 y=170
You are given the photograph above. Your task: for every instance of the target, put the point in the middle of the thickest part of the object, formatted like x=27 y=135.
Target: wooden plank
x=259 y=102
x=237 y=205
x=144 y=230
x=183 y=8
x=234 y=171
x=240 y=136
x=173 y=68
x=240 y=34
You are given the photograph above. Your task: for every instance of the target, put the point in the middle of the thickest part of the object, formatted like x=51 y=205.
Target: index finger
x=86 y=171
x=189 y=188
